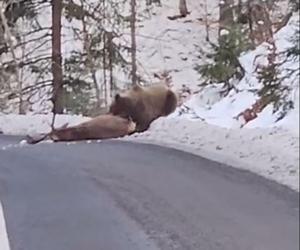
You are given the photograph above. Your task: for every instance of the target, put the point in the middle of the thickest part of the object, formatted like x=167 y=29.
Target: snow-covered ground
x=32 y=124
x=176 y=46
x=220 y=111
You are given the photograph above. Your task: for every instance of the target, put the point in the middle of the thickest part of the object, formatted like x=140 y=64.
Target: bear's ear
x=117 y=97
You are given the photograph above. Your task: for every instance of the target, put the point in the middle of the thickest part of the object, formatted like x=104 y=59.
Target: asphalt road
x=123 y=196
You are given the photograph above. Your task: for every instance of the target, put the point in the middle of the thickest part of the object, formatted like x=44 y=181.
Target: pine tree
x=275 y=91
x=93 y=66
x=294 y=51
x=225 y=66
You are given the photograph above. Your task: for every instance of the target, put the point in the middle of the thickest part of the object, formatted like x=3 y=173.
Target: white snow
x=174 y=46
x=32 y=124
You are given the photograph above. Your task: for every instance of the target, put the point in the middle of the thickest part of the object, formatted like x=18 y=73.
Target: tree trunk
x=105 y=38
x=206 y=22
x=183 y=8
x=104 y=86
x=90 y=64
x=261 y=24
x=110 y=51
x=226 y=19
x=133 y=42
x=57 y=97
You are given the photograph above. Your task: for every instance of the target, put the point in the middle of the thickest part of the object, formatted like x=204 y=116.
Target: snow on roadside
x=272 y=153
x=32 y=124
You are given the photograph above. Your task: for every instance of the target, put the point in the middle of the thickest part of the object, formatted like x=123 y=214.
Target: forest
x=72 y=56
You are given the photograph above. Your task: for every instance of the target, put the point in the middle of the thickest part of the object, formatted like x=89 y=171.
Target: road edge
x=4 y=244
x=213 y=156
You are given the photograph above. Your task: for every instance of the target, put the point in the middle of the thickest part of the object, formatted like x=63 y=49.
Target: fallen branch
x=175 y=17
x=251 y=113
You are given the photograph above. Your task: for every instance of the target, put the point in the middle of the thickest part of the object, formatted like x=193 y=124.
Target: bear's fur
x=101 y=127
x=144 y=104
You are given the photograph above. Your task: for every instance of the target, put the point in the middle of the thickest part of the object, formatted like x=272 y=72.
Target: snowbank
x=31 y=124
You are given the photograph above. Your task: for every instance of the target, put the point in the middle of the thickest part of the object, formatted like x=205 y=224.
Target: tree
x=225 y=66
x=207 y=38
x=260 y=23
x=274 y=90
x=295 y=4
x=183 y=10
x=30 y=37
x=226 y=19
x=89 y=70
x=9 y=38
x=133 y=42
x=57 y=97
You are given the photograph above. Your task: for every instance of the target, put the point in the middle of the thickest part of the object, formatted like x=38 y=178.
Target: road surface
x=118 y=195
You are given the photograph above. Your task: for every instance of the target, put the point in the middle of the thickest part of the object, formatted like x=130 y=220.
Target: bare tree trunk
x=90 y=64
x=57 y=97
x=239 y=7
x=133 y=42
x=104 y=86
x=110 y=63
x=104 y=70
x=183 y=11
x=183 y=8
x=111 y=75
x=206 y=21
x=226 y=18
x=261 y=24
x=250 y=23
x=96 y=86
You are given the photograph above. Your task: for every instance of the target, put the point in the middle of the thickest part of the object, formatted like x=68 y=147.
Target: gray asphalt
x=118 y=195
x=6 y=140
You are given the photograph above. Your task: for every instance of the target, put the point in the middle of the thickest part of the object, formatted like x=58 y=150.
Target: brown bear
x=101 y=127
x=144 y=104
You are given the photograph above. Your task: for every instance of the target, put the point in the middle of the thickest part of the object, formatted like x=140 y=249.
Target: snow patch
x=31 y=124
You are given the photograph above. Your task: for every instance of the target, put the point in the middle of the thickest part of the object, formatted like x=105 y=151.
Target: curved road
x=118 y=195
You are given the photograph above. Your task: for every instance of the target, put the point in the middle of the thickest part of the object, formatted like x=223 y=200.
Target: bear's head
x=121 y=106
